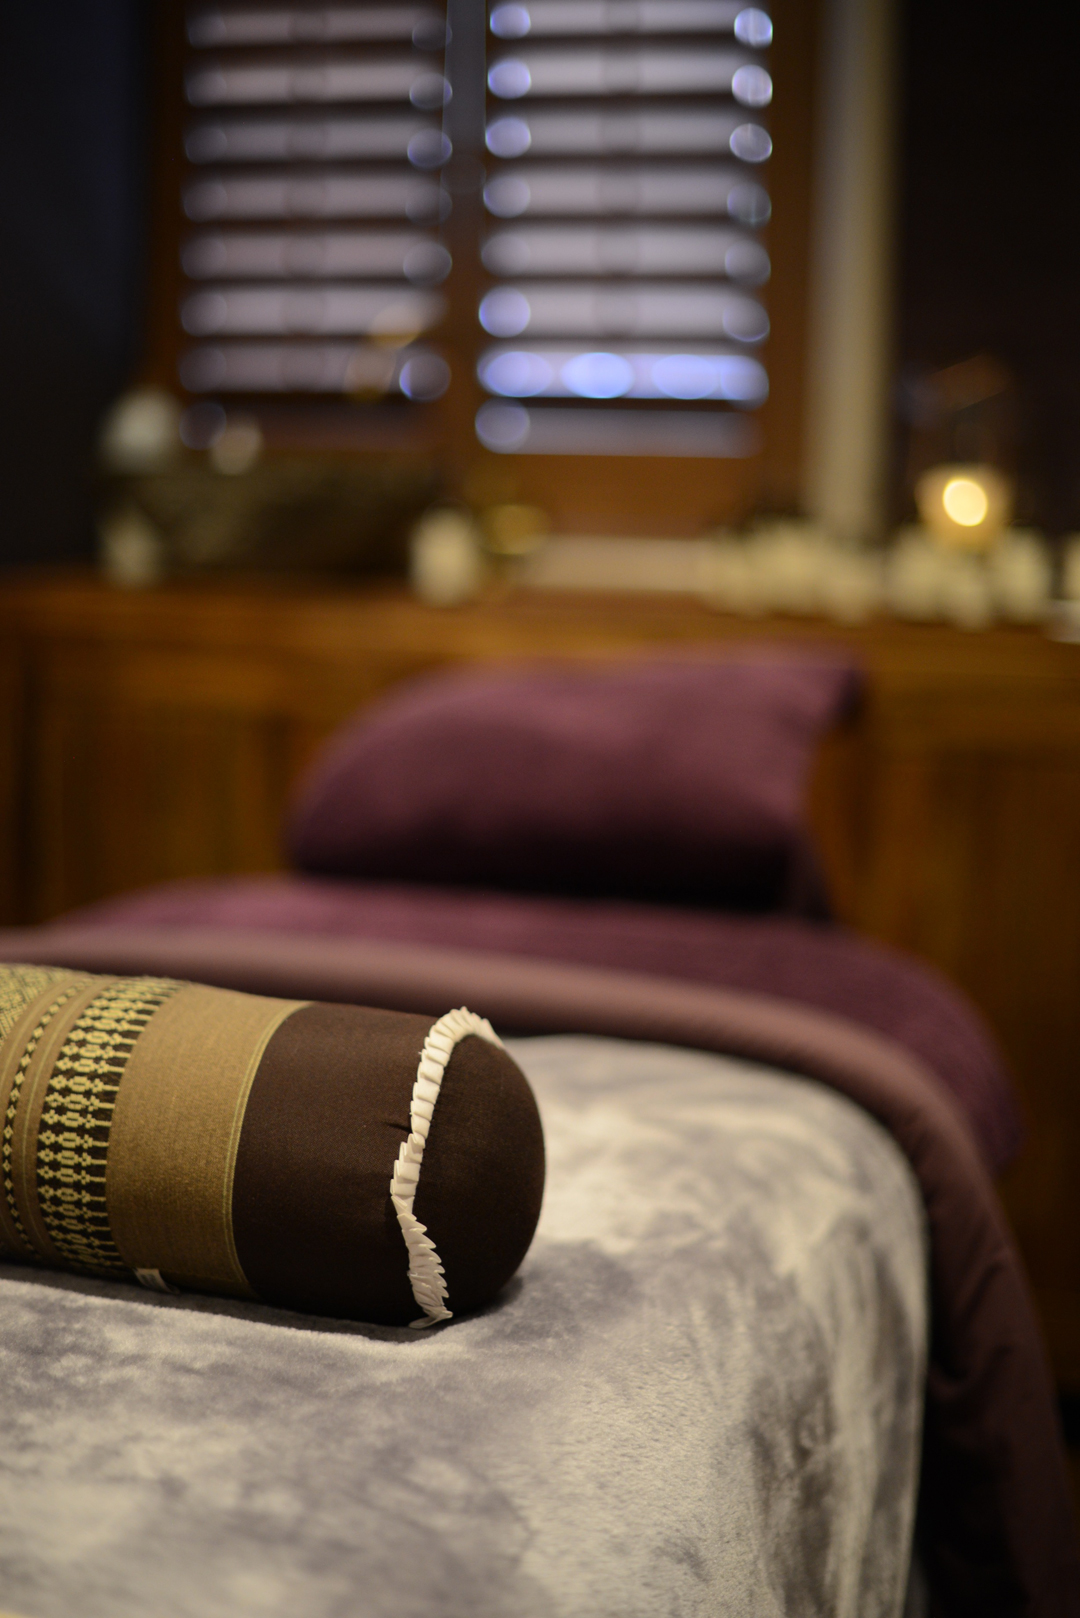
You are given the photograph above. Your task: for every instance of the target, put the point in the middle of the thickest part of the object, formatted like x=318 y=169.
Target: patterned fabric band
x=67 y=1038
x=426 y=1276
x=122 y=1101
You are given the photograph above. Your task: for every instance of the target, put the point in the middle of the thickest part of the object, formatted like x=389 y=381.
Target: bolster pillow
x=371 y=1165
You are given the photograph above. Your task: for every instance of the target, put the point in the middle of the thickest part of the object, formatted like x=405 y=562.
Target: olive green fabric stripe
x=175 y=1132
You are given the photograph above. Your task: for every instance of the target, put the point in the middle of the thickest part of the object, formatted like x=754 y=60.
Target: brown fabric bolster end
x=315 y=1226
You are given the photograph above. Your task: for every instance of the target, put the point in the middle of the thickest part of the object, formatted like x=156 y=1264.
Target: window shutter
x=312 y=260
x=488 y=232
x=624 y=202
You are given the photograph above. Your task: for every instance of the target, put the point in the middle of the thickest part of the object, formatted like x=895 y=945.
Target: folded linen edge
x=426 y=1275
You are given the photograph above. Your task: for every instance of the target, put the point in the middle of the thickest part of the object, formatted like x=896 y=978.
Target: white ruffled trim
x=425 y=1271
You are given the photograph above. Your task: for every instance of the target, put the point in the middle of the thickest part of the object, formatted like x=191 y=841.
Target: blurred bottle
x=140 y=434
x=132 y=552
x=446 y=559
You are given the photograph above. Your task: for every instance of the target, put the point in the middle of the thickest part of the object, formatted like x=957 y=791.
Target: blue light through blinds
x=620 y=262
x=625 y=201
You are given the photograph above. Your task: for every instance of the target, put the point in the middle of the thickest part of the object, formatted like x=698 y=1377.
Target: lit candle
x=964 y=507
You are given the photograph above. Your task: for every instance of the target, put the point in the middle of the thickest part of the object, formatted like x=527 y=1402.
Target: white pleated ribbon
x=426 y=1276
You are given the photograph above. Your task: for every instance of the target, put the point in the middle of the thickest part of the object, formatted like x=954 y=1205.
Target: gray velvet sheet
x=701 y=1396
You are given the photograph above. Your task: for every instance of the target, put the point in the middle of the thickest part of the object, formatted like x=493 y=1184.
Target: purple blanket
x=807 y=962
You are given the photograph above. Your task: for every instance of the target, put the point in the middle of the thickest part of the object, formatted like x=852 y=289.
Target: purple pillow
x=665 y=780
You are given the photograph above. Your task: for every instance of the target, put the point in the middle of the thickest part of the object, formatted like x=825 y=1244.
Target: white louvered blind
x=313 y=263
x=623 y=204
x=548 y=215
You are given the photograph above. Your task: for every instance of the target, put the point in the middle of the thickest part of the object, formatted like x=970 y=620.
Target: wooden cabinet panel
x=147 y=762
x=141 y=793
x=145 y=737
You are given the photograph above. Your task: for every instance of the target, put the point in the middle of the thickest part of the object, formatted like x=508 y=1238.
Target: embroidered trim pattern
x=7 y=1144
x=426 y=1275
x=76 y=1118
x=18 y=986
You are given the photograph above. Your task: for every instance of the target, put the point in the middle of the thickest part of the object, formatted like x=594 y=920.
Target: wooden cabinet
x=153 y=735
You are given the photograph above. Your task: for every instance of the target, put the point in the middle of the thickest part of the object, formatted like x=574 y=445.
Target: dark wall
x=989 y=233
x=72 y=105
